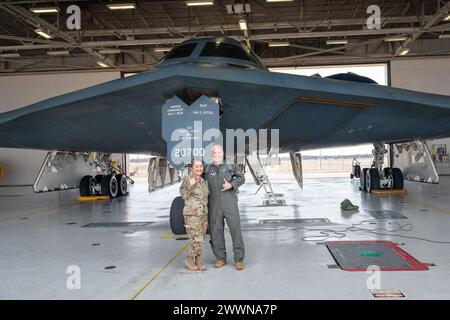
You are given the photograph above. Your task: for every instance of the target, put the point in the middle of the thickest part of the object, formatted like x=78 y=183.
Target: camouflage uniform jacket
x=195 y=197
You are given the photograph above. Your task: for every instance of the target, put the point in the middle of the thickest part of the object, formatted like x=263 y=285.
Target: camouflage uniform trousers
x=196 y=228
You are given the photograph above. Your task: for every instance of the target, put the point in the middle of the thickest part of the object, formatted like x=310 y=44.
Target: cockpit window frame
x=185 y=54
x=207 y=45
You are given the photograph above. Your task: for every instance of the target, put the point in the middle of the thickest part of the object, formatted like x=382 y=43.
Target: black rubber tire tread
x=85 y=182
x=98 y=178
x=357 y=171
x=121 y=192
x=362 y=180
x=397 y=175
x=176 y=216
x=106 y=186
x=374 y=177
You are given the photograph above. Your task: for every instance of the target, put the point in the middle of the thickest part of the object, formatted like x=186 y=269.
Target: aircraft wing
x=124 y=115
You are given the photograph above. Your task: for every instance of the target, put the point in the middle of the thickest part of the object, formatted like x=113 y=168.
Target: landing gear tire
x=110 y=187
x=98 y=178
x=176 y=216
x=362 y=180
x=87 y=186
x=122 y=185
x=388 y=174
x=397 y=176
x=372 y=180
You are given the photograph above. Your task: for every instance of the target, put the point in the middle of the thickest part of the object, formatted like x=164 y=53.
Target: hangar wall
x=426 y=75
x=21 y=166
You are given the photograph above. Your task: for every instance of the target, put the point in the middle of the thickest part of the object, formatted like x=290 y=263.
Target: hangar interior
x=124 y=247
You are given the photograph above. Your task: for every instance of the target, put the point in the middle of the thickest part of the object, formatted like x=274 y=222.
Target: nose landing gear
x=377 y=177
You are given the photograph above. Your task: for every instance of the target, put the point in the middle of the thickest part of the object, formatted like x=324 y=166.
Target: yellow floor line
x=389 y=192
x=427 y=205
x=93 y=198
x=160 y=271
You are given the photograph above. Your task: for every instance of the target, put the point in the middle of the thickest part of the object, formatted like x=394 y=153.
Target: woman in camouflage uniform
x=194 y=191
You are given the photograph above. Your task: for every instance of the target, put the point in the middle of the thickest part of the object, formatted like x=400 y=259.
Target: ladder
x=262 y=180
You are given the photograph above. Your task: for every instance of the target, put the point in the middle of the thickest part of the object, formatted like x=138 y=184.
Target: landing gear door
x=189 y=131
x=296 y=161
x=415 y=161
x=63 y=170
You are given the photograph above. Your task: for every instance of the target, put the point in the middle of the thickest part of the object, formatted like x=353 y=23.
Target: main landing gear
x=376 y=177
x=113 y=183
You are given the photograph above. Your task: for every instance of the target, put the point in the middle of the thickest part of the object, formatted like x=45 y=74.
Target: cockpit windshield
x=182 y=51
x=225 y=50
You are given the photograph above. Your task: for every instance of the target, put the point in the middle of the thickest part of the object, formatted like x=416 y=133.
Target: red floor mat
x=360 y=255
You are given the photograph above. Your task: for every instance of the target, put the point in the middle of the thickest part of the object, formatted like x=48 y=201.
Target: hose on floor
x=326 y=234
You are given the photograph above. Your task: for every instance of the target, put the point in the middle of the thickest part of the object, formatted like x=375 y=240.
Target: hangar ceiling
x=135 y=39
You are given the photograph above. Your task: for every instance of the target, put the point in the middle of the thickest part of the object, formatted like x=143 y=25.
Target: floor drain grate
x=117 y=224
x=386 y=214
x=297 y=221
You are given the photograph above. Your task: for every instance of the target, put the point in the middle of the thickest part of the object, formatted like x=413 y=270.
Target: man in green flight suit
x=223 y=182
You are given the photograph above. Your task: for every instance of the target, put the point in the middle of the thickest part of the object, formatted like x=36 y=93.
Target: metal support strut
x=378 y=157
x=105 y=163
x=261 y=179
x=161 y=174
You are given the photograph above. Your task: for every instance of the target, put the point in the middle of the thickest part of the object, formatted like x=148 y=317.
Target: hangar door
x=334 y=161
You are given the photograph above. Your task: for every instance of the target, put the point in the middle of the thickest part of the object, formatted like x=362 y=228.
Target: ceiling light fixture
x=444 y=36
x=58 y=53
x=395 y=38
x=404 y=52
x=121 y=6
x=102 y=64
x=278 y=44
x=447 y=17
x=162 y=49
x=44 y=34
x=243 y=24
x=199 y=3
x=10 y=55
x=337 y=41
x=239 y=8
x=109 y=51
x=45 y=10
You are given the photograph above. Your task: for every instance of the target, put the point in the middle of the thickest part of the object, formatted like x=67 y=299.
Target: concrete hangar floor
x=43 y=240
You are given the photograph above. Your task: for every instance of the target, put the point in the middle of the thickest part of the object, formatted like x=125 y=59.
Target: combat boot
x=190 y=264
x=220 y=263
x=199 y=264
x=239 y=265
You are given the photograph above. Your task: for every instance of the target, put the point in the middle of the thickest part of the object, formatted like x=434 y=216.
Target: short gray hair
x=216 y=146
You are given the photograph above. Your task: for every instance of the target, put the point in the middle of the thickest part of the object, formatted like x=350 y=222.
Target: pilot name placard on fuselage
x=189 y=130
x=175 y=110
